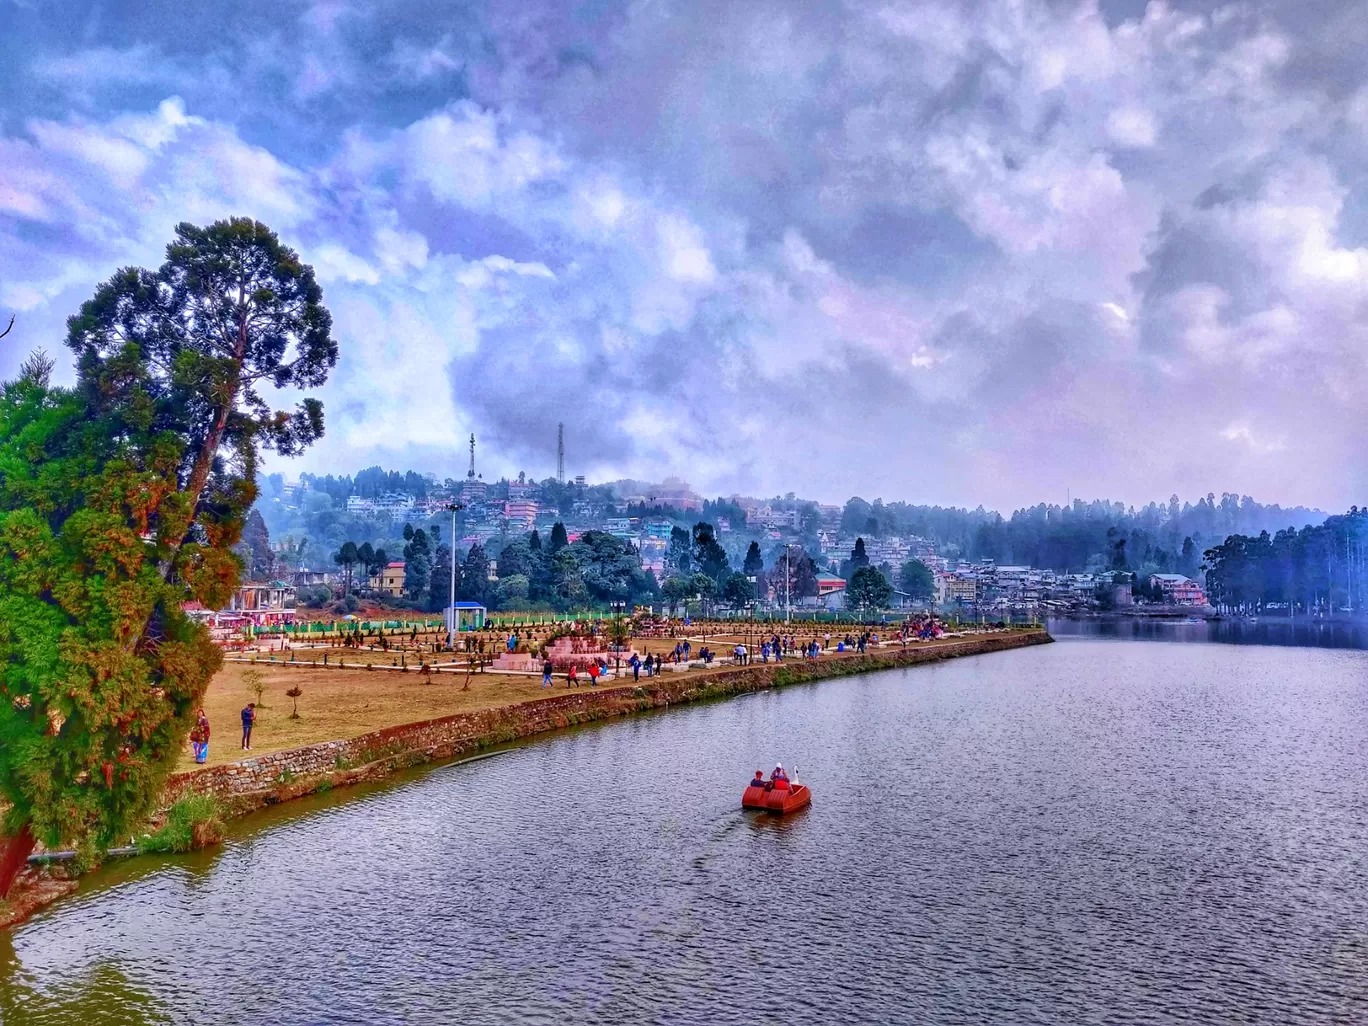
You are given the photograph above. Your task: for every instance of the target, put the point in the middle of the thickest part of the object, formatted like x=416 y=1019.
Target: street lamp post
x=454 y=507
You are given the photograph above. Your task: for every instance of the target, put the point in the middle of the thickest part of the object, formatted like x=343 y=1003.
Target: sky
x=948 y=251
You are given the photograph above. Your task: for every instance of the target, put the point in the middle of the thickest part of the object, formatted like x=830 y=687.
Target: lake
x=1095 y=831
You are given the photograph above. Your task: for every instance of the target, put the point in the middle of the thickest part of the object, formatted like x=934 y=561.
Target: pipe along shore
x=250 y=784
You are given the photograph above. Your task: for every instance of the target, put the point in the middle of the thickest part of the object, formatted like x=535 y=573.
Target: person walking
x=636 y=667
x=593 y=674
x=546 y=673
x=248 y=721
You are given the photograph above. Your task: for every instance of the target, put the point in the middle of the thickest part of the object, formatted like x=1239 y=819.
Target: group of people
x=199 y=733
x=777 y=779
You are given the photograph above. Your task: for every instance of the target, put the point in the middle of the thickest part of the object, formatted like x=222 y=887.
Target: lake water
x=1087 y=832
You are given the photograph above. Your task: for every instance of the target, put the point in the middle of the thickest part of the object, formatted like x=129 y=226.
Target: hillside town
x=326 y=544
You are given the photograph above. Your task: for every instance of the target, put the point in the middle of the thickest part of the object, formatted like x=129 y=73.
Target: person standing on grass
x=199 y=737
x=546 y=673
x=593 y=674
x=248 y=720
x=636 y=667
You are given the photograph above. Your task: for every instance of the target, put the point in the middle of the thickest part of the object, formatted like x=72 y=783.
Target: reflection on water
x=1306 y=632
x=101 y=996
x=1083 y=833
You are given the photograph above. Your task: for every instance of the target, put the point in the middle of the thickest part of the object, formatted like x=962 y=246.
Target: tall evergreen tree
x=559 y=539
x=255 y=548
x=231 y=309
x=439 y=581
x=754 y=561
x=708 y=555
x=679 y=555
x=473 y=582
x=417 y=566
x=858 y=557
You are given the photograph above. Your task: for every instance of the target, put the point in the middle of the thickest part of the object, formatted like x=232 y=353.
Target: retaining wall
x=265 y=779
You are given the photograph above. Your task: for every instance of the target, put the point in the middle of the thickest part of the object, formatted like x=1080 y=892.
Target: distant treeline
x=1313 y=570
x=1156 y=538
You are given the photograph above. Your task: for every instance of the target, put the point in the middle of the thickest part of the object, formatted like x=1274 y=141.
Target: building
x=269 y=602
x=392 y=579
x=521 y=512
x=1179 y=590
x=773 y=519
x=956 y=589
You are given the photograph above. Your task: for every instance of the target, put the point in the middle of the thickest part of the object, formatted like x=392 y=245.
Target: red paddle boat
x=776 y=796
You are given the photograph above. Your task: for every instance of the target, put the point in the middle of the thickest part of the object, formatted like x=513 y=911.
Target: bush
x=315 y=596
x=192 y=822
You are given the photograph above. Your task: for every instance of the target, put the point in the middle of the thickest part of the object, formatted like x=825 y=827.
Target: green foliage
x=472 y=582
x=611 y=569
x=255 y=548
x=559 y=538
x=417 y=565
x=916 y=579
x=680 y=557
x=121 y=500
x=868 y=590
x=513 y=591
x=737 y=590
x=858 y=558
x=186 y=349
x=190 y=823
x=101 y=669
x=567 y=583
x=708 y=555
x=1314 y=570
x=755 y=563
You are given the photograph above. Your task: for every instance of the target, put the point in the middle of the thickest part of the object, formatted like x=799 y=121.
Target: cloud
x=946 y=251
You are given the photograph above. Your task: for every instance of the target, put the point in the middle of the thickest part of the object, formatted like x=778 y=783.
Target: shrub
x=192 y=822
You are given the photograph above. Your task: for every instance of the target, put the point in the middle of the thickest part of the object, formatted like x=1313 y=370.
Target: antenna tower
x=560 y=452
x=471 y=472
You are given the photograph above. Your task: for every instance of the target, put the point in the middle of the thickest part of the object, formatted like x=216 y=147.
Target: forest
x=1315 y=570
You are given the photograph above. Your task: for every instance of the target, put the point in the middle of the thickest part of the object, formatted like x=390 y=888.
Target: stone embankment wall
x=280 y=776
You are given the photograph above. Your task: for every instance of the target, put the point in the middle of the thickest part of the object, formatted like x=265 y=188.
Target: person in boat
x=779 y=778
x=759 y=780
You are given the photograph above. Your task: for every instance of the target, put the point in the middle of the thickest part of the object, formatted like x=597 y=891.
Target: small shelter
x=465 y=616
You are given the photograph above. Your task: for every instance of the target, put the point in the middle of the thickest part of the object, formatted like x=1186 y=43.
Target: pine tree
x=559 y=539
x=754 y=561
x=858 y=559
x=417 y=565
x=472 y=584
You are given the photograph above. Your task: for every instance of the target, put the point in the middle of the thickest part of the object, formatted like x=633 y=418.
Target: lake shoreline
x=248 y=785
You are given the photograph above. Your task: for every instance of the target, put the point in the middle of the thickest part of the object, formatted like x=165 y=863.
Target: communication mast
x=560 y=452
x=470 y=474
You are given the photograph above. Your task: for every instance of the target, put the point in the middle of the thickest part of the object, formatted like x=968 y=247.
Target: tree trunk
x=14 y=858
x=204 y=459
